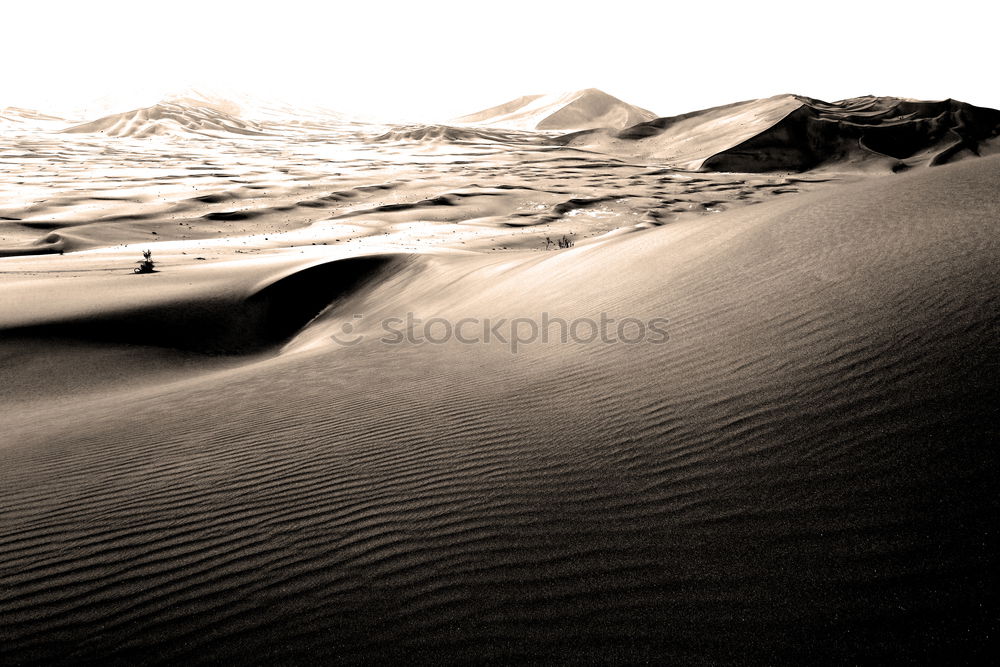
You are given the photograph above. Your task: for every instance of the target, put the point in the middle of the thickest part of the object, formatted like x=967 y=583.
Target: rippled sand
x=193 y=469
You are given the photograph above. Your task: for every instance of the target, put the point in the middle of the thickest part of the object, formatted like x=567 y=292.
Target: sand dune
x=794 y=133
x=168 y=118
x=206 y=317
x=13 y=116
x=804 y=471
x=801 y=469
x=448 y=133
x=326 y=180
x=578 y=110
x=259 y=110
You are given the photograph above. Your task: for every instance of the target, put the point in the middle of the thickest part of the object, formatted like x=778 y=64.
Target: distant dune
x=258 y=109
x=448 y=133
x=583 y=109
x=794 y=133
x=18 y=115
x=169 y=118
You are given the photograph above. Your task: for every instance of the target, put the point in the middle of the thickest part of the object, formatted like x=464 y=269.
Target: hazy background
x=435 y=60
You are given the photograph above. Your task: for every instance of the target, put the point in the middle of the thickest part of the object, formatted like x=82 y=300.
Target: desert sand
x=802 y=469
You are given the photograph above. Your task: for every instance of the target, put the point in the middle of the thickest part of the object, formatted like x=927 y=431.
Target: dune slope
x=582 y=109
x=168 y=118
x=447 y=133
x=803 y=471
x=217 y=311
x=794 y=133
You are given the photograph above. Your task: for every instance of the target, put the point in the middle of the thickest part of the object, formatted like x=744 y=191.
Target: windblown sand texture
x=193 y=470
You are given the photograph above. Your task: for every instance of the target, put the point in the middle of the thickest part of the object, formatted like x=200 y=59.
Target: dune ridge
x=500 y=110
x=578 y=110
x=451 y=134
x=795 y=133
x=169 y=118
x=247 y=318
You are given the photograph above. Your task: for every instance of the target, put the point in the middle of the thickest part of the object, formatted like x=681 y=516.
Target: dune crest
x=582 y=109
x=247 y=316
x=795 y=133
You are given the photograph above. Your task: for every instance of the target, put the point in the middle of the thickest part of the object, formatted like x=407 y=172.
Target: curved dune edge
x=236 y=320
x=804 y=471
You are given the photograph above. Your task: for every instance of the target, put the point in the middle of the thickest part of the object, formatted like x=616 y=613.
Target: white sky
x=438 y=59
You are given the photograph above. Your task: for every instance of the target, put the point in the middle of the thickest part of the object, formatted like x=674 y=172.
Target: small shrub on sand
x=564 y=242
x=146 y=263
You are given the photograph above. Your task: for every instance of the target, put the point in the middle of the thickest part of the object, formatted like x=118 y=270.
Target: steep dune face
x=903 y=133
x=168 y=118
x=685 y=141
x=793 y=133
x=803 y=472
x=578 y=110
